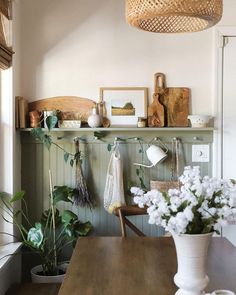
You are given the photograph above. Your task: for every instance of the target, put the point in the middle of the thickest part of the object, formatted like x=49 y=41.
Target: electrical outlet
x=200 y=153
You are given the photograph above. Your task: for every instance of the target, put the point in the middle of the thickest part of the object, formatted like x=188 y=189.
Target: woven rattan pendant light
x=173 y=16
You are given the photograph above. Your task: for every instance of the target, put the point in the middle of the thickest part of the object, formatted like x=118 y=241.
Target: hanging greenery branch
x=81 y=194
x=140 y=171
x=39 y=134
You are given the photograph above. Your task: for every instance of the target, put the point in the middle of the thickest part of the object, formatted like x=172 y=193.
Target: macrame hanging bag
x=174 y=182
x=114 y=187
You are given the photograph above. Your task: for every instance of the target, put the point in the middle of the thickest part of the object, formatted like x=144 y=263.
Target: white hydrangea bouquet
x=201 y=205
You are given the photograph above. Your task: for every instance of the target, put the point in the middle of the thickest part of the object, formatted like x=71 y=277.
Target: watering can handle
x=146 y=166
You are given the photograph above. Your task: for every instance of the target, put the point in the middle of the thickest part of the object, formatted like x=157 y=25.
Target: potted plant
x=192 y=214
x=51 y=234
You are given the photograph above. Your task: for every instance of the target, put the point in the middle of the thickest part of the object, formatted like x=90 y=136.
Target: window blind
x=6 y=51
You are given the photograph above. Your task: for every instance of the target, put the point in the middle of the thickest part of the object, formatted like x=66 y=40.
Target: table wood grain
x=139 y=266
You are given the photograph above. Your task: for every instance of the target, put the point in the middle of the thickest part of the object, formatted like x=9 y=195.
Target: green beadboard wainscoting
x=37 y=160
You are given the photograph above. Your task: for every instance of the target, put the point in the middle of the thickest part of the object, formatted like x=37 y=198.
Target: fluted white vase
x=191 y=277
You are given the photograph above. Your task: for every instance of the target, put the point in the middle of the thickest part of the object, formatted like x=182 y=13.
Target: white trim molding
x=221 y=35
x=221 y=39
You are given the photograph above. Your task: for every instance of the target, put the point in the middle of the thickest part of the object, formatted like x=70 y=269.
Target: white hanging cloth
x=114 y=187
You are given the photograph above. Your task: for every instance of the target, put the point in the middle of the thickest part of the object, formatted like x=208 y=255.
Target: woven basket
x=173 y=16
x=164 y=186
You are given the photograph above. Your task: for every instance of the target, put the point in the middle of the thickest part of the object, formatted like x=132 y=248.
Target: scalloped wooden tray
x=82 y=107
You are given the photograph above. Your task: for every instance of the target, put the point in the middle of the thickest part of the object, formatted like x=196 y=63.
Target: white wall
x=74 y=49
x=228 y=18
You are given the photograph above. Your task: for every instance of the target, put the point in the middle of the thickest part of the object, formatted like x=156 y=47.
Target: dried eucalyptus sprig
x=82 y=196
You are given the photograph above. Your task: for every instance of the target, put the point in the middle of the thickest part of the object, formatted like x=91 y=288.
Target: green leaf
x=140 y=151
x=69 y=232
x=51 y=122
x=62 y=193
x=18 y=196
x=47 y=140
x=3 y=195
x=217 y=231
x=66 y=157
x=183 y=206
x=137 y=172
x=35 y=236
x=72 y=162
x=233 y=181
x=37 y=133
x=143 y=186
x=47 y=215
x=82 y=229
x=68 y=217
x=17 y=213
x=109 y=147
x=166 y=197
x=99 y=134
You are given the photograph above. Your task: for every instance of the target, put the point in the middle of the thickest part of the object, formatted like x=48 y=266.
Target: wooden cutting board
x=156 y=109
x=176 y=104
x=175 y=101
x=82 y=107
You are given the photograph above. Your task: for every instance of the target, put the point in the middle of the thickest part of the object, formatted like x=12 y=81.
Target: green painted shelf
x=128 y=129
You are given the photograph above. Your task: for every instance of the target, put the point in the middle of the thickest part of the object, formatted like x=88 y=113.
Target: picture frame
x=124 y=105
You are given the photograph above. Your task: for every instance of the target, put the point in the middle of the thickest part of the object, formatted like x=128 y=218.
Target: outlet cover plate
x=200 y=153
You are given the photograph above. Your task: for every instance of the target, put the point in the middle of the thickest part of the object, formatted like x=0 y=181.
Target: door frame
x=221 y=35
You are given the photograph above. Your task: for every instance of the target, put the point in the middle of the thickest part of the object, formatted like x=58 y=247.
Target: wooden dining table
x=140 y=266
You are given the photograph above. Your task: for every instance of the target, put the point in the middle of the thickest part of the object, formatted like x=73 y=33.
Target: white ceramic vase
x=191 y=277
x=94 y=120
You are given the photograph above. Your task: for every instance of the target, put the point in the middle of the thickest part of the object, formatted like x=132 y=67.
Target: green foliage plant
x=52 y=233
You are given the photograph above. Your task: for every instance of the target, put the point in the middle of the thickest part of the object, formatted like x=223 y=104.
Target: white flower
x=137 y=191
x=211 y=199
x=139 y=201
x=188 y=213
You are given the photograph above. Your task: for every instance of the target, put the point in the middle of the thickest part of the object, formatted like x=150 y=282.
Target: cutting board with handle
x=175 y=101
x=68 y=105
x=156 y=109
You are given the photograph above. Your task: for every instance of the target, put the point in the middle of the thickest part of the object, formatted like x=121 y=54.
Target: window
x=6 y=144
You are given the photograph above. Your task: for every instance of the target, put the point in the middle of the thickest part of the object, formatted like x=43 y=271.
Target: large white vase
x=191 y=277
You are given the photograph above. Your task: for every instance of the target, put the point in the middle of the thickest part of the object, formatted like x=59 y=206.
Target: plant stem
x=53 y=220
x=57 y=145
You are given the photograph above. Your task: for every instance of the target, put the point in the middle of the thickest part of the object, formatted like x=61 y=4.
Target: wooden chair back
x=129 y=210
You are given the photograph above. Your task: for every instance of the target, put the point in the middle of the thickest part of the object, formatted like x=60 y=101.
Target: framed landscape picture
x=124 y=105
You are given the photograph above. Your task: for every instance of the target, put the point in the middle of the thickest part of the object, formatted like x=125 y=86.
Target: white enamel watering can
x=155 y=155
